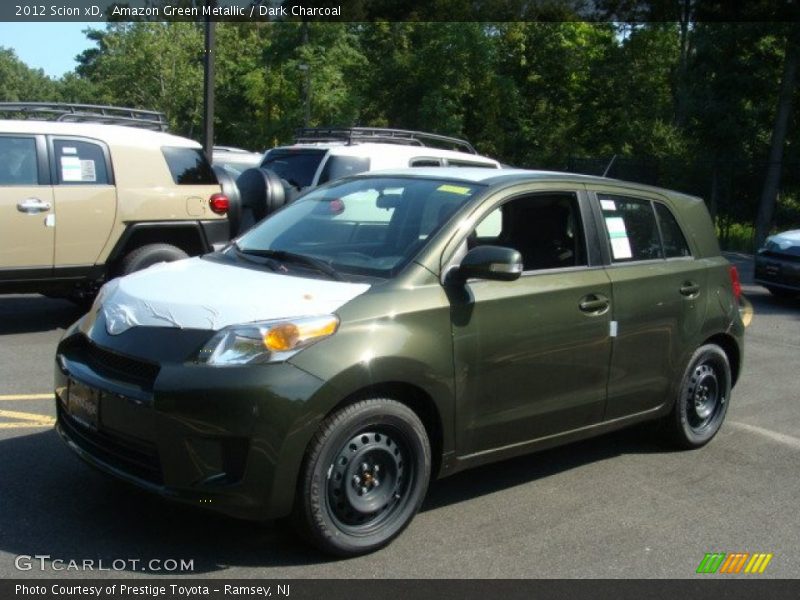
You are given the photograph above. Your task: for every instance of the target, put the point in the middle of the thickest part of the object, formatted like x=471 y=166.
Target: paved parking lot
x=618 y=506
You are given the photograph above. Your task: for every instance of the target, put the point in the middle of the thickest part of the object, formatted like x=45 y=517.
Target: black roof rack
x=86 y=113
x=354 y=135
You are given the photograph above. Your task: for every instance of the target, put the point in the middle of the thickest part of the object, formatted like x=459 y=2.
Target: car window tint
x=674 y=241
x=544 y=228
x=189 y=166
x=298 y=167
x=18 y=161
x=80 y=163
x=630 y=225
x=342 y=166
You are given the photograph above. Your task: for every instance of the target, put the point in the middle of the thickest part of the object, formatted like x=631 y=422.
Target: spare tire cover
x=262 y=192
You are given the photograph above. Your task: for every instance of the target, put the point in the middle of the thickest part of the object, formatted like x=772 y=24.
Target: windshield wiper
x=291 y=257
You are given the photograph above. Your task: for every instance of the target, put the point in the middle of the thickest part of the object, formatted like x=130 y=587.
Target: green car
x=398 y=326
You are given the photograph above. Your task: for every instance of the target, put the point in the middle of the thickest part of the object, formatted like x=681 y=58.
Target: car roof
x=508 y=176
x=398 y=150
x=111 y=134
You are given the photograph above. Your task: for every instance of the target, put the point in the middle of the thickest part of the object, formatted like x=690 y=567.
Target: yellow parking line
x=16 y=397
x=25 y=420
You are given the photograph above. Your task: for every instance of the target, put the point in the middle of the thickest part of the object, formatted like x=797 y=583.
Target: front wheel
x=364 y=477
x=703 y=398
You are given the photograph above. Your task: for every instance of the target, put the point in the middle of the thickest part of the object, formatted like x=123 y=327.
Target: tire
x=782 y=293
x=262 y=192
x=149 y=255
x=345 y=505
x=703 y=398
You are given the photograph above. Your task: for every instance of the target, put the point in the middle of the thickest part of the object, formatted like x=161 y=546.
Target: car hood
x=201 y=294
x=787 y=238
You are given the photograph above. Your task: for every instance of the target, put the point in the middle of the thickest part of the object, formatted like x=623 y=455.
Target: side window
x=188 y=166
x=18 y=161
x=342 y=166
x=544 y=228
x=425 y=162
x=80 y=163
x=674 y=241
x=630 y=224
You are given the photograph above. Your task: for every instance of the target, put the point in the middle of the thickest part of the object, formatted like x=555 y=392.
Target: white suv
x=320 y=155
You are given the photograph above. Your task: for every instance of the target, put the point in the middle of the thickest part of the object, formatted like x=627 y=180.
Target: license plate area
x=83 y=404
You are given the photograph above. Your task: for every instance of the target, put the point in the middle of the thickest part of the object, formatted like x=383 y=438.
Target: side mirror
x=488 y=262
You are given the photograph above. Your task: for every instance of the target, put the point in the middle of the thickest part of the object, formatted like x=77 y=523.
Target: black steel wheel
x=703 y=398
x=364 y=478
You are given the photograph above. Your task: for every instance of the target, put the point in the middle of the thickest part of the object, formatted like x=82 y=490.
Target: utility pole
x=208 y=84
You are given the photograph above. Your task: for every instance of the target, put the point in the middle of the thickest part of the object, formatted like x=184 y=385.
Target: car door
x=85 y=197
x=657 y=288
x=27 y=231
x=531 y=356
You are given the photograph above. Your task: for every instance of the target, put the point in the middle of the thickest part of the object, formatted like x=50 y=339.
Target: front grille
x=112 y=364
x=138 y=459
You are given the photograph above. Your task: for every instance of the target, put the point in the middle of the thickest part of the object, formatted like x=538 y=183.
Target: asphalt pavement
x=622 y=505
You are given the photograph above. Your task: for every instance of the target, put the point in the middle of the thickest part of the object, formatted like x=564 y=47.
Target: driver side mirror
x=495 y=263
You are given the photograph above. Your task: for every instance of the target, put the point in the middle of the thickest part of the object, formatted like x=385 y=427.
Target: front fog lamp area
x=270 y=341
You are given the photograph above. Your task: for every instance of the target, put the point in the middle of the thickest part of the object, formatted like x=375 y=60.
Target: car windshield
x=368 y=226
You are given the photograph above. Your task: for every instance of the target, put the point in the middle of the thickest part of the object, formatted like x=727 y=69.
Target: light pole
x=208 y=84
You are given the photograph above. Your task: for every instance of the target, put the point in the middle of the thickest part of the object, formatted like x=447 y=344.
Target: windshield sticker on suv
x=454 y=189
x=620 y=246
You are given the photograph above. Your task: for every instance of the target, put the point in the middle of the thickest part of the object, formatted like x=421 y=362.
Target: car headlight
x=266 y=342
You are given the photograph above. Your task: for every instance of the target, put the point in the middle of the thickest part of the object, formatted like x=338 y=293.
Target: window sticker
x=620 y=246
x=70 y=168
x=454 y=189
x=69 y=150
x=74 y=169
x=88 y=171
x=608 y=205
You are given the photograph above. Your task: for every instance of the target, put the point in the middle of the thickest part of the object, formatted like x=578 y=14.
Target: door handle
x=690 y=288
x=594 y=303
x=32 y=206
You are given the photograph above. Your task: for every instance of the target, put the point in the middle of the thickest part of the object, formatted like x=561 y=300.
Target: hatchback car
x=392 y=327
x=777 y=264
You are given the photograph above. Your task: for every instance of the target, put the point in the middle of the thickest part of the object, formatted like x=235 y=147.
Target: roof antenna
x=608 y=168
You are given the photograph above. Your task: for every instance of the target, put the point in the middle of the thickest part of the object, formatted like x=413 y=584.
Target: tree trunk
x=769 y=193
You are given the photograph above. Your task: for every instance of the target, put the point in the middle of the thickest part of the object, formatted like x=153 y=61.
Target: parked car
x=83 y=200
x=323 y=154
x=777 y=264
x=397 y=326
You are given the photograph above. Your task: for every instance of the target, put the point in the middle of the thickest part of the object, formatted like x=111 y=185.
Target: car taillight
x=735 y=282
x=219 y=203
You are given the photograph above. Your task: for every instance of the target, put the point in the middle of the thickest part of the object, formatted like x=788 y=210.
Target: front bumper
x=227 y=439
x=778 y=271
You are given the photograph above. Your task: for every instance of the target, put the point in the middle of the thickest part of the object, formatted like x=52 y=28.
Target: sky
x=48 y=46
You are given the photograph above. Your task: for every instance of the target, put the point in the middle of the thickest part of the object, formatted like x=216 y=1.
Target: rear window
x=189 y=166
x=298 y=167
x=342 y=166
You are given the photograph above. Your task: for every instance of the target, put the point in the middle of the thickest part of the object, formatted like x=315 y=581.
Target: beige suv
x=82 y=202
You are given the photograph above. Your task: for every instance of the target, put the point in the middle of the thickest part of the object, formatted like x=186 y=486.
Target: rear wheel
x=364 y=478
x=703 y=398
x=149 y=255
